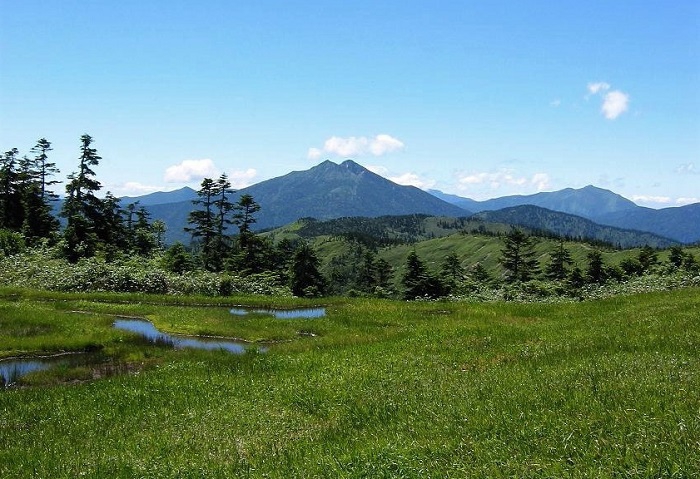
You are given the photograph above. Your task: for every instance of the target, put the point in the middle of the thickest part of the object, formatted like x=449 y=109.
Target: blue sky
x=475 y=98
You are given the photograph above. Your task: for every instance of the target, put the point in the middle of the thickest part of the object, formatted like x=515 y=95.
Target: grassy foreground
x=381 y=389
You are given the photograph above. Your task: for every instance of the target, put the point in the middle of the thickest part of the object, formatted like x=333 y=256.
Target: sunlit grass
x=383 y=389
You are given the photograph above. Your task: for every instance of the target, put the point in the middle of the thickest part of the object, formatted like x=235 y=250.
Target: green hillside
x=345 y=245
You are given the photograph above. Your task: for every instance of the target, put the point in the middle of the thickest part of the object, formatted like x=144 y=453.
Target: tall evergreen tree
x=384 y=273
x=557 y=267
x=304 y=277
x=244 y=217
x=44 y=168
x=596 y=268
x=367 y=272
x=418 y=282
x=518 y=257
x=223 y=206
x=82 y=209
x=204 y=221
x=11 y=211
x=39 y=221
x=452 y=272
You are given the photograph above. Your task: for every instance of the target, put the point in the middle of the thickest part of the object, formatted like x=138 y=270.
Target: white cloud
x=384 y=144
x=240 y=179
x=615 y=103
x=595 y=88
x=650 y=199
x=687 y=201
x=190 y=170
x=555 y=103
x=503 y=178
x=540 y=181
x=354 y=146
x=314 y=154
x=687 y=169
x=412 y=179
x=406 y=179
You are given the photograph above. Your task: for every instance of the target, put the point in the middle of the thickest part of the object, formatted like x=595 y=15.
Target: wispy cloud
x=242 y=178
x=661 y=201
x=687 y=169
x=412 y=179
x=406 y=179
x=190 y=170
x=134 y=188
x=503 y=177
x=651 y=199
x=615 y=102
x=597 y=87
x=355 y=146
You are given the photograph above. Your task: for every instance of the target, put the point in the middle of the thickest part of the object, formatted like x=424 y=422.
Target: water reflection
x=307 y=313
x=13 y=369
x=152 y=334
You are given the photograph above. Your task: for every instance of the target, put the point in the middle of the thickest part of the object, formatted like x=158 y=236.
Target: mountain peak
x=353 y=166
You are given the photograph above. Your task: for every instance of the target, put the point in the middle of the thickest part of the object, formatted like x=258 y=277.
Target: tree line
x=102 y=227
x=92 y=225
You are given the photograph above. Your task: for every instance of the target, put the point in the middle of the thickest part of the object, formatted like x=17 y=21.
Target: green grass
x=384 y=389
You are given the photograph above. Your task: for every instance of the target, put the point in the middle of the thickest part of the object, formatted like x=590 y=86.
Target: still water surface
x=307 y=313
x=152 y=334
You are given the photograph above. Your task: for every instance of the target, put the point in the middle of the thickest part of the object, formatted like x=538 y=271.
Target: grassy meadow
x=377 y=388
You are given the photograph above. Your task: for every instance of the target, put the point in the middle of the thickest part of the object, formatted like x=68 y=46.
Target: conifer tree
x=596 y=268
x=418 y=282
x=248 y=245
x=518 y=257
x=452 y=272
x=11 y=211
x=204 y=221
x=39 y=221
x=44 y=168
x=82 y=209
x=557 y=267
x=304 y=277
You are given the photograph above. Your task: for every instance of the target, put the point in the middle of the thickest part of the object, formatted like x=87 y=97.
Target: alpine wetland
x=364 y=240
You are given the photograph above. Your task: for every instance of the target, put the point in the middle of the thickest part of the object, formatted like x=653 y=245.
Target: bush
x=39 y=270
x=11 y=243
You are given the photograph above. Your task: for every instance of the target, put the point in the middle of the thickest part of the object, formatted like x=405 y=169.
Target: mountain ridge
x=329 y=190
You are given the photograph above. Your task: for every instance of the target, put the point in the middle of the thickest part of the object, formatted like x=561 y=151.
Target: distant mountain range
x=331 y=190
x=588 y=202
x=681 y=224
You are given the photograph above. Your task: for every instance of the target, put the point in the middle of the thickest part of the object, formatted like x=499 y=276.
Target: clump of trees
x=527 y=273
x=243 y=252
x=93 y=226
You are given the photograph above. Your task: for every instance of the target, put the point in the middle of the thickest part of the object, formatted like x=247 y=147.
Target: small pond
x=306 y=313
x=13 y=369
x=147 y=330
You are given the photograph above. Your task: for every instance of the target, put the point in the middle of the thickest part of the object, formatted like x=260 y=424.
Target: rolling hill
x=573 y=227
